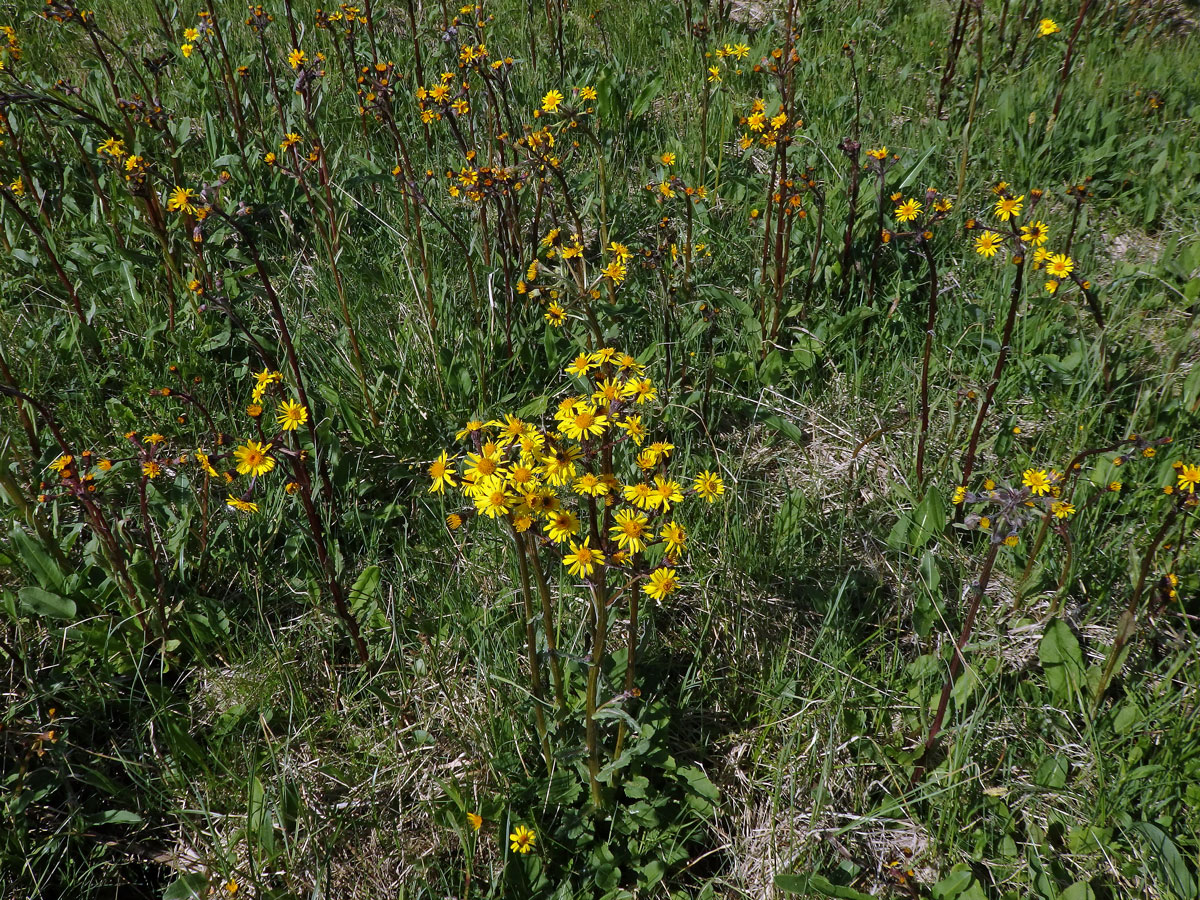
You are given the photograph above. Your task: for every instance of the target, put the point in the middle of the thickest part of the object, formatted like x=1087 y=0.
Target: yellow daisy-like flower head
x=1188 y=478
x=240 y=505
x=581 y=365
x=552 y=101
x=442 y=474
x=151 y=469
x=181 y=200
x=908 y=210
x=641 y=389
x=561 y=524
x=492 y=498
x=1037 y=480
x=1063 y=510
x=297 y=58
x=632 y=531
x=555 y=315
x=1047 y=27
x=1059 y=265
x=1036 y=233
x=583 y=559
x=674 y=536
x=987 y=244
x=591 y=485
x=523 y=838
x=584 y=423
x=666 y=492
x=1008 y=207
x=709 y=486
x=475 y=820
x=254 y=459
x=662 y=583
x=291 y=415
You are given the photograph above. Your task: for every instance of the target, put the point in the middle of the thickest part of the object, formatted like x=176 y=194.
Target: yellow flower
x=878 y=153
x=253 y=459
x=960 y=493
x=908 y=210
x=492 y=497
x=714 y=74
x=987 y=244
x=632 y=426
x=1037 y=481
x=582 y=559
x=442 y=474
x=587 y=93
x=290 y=140
x=556 y=315
x=668 y=159
x=561 y=525
x=1063 y=510
x=181 y=200
x=151 y=469
x=475 y=820
x=1189 y=477
x=1007 y=207
x=297 y=58
x=1036 y=233
x=639 y=494
x=631 y=531
x=523 y=838
x=584 y=423
x=1047 y=27
x=552 y=100
x=642 y=389
x=291 y=415
x=666 y=492
x=62 y=462
x=240 y=505
x=112 y=147
x=615 y=270
x=581 y=365
x=674 y=537
x=1059 y=265
x=1011 y=541
x=591 y=485
x=662 y=582
x=202 y=461
x=709 y=486
x=186 y=50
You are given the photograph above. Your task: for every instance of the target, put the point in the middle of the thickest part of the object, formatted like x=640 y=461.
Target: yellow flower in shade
x=151 y=469
x=1063 y=510
x=475 y=820
x=1188 y=478
x=555 y=315
x=908 y=210
x=292 y=487
x=561 y=525
x=558 y=466
x=552 y=101
x=442 y=474
x=585 y=422
x=591 y=485
x=1011 y=541
x=639 y=495
x=1047 y=27
x=960 y=493
x=62 y=462
x=454 y=521
x=642 y=389
x=582 y=559
x=662 y=582
x=1059 y=265
x=615 y=270
x=181 y=200
x=709 y=486
x=253 y=459
x=1036 y=233
x=290 y=140
x=104 y=465
x=1051 y=286
x=1037 y=481
x=632 y=426
x=492 y=497
x=674 y=537
x=631 y=531
x=202 y=461
x=112 y=147
x=666 y=492
x=470 y=428
x=154 y=439
x=297 y=58
x=581 y=365
x=1115 y=486
x=241 y=505
x=523 y=838
x=254 y=410
x=987 y=244
x=291 y=415
x=186 y=50
x=1007 y=207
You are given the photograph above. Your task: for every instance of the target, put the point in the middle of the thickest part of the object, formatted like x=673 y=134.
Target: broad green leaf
x=1062 y=660
x=46 y=603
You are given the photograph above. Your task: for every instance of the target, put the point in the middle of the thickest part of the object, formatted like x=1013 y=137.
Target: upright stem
x=535 y=668
x=930 y=323
x=560 y=699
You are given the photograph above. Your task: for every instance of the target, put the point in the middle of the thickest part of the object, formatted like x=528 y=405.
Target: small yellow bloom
x=908 y=210
x=552 y=101
x=475 y=820
x=291 y=415
x=523 y=838
x=1047 y=27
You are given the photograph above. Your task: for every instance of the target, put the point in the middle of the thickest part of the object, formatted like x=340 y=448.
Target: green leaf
x=929 y=519
x=189 y=887
x=1062 y=660
x=1165 y=856
x=364 y=587
x=952 y=885
x=45 y=603
x=41 y=564
x=817 y=884
x=1080 y=890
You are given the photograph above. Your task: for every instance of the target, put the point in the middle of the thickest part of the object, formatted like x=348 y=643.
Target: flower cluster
x=593 y=486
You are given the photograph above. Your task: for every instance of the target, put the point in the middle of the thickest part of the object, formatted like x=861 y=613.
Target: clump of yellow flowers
x=589 y=488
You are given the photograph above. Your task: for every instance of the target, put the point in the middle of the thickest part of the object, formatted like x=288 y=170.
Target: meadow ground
x=600 y=449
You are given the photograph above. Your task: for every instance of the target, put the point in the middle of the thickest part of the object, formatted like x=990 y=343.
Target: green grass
x=786 y=690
